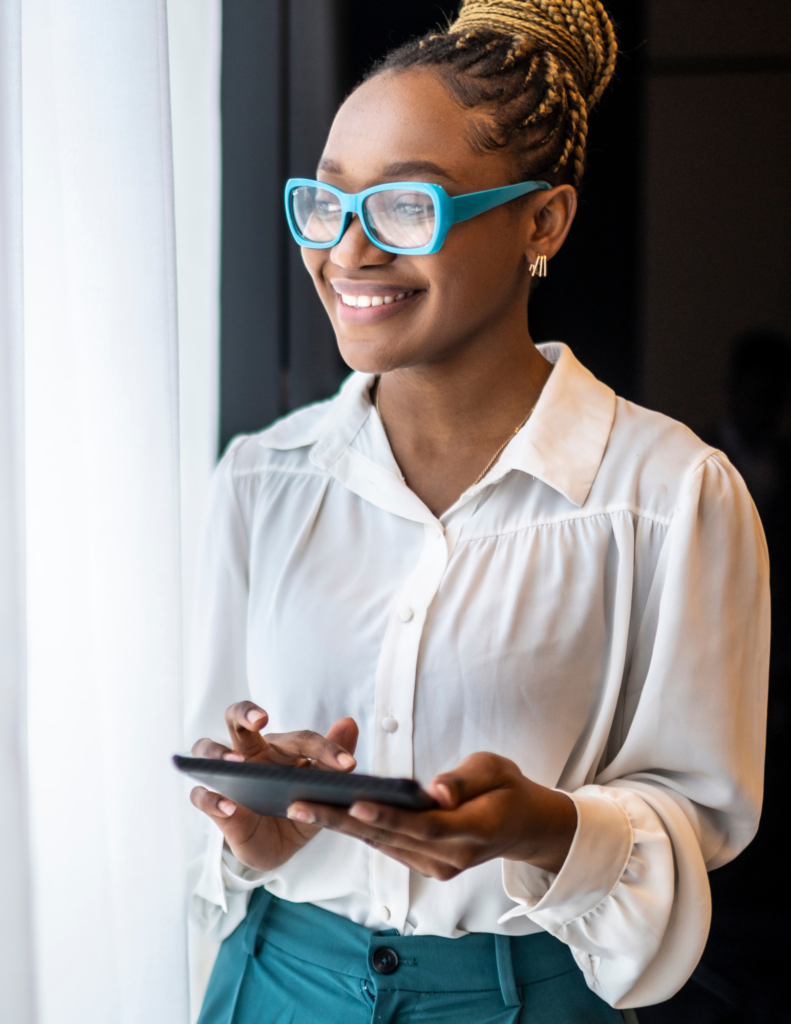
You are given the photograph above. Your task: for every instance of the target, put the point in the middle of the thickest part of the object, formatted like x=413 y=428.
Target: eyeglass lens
x=400 y=218
x=317 y=213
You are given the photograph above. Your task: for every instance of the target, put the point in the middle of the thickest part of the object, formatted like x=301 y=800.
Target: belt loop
x=505 y=969
x=260 y=902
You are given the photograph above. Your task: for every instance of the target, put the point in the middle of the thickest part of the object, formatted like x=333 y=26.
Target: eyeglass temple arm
x=474 y=203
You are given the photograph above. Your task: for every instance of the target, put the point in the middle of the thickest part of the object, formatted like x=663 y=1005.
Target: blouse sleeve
x=220 y=885
x=682 y=791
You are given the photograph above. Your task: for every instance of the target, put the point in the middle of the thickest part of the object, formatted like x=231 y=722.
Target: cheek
x=477 y=269
x=314 y=260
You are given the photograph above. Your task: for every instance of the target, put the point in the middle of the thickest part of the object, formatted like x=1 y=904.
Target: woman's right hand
x=259 y=842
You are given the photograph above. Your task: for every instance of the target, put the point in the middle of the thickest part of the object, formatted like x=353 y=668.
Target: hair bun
x=578 y=32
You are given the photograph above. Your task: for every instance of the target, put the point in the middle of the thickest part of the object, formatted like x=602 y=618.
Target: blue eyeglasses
x=401 y=217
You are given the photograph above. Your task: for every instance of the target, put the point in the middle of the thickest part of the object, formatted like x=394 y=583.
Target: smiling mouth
x=364 y=301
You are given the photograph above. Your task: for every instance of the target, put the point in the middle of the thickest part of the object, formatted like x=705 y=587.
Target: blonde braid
x=578 y=131
x=552 y=97
x=578 y=31
x=537 y=67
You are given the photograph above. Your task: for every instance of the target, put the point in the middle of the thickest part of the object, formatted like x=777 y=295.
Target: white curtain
x=194 y=37
x=194 y=43
x=91 y=620
x=16 y=961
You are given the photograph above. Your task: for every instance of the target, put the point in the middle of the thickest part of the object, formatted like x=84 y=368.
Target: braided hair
x=536 y=67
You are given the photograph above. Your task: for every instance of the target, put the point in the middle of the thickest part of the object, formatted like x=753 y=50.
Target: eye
x=413 y=209
x=327 y=208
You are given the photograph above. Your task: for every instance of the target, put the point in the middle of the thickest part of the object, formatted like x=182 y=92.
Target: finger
x=244 y=721
x=216 y=751
x=476 y=775
x=285 y=748
x=423 y=826
x=236 y=823
x=239 y=825
x=474 y=820
x=434 y=860
x=213 y=804
x=337 y=819
x=345 y=733
x=442 y=858
x=427 y=866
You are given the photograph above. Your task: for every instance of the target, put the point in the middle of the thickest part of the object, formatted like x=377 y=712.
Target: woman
x=478 y=567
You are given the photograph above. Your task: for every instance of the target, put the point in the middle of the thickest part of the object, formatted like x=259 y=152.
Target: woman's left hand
x=488 y=809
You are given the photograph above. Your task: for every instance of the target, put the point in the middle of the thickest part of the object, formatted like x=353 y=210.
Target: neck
x=478 y=393
x=445 y=420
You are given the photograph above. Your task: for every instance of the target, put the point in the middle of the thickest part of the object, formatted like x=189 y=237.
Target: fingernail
x=255 y=716
x=345 y=760
x=441 y=793
x=364 y=812
x=226 y=807
x=296 y=814
x=232 y=757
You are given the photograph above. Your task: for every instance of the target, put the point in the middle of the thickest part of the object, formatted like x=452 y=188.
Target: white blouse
x=595 y=609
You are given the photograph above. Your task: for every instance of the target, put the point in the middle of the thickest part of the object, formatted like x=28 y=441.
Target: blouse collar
x=562 y=444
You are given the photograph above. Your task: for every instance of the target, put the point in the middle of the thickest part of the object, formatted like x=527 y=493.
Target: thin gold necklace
x=491 y=461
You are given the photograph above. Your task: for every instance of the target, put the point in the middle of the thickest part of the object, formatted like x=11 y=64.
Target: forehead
x=406 y=126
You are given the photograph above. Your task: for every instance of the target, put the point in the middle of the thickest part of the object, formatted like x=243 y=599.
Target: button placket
x=395 y=695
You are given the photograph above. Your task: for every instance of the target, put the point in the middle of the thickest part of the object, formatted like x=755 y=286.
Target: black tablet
x=271 y=788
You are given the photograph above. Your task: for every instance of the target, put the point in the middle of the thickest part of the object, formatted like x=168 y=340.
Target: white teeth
x=363 y=301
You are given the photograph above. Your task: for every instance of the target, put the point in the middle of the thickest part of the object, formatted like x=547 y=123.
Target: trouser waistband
x=422 y=963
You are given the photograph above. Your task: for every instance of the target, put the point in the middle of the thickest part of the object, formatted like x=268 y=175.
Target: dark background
x=681 y=245
x=286 y=66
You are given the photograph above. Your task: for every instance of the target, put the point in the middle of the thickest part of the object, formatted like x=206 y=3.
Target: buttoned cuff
x=222 y=890
x=237 y=877
x=209 y=884
x=598 y=856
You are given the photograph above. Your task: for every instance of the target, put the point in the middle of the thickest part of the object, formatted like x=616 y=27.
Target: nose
x=356 y=250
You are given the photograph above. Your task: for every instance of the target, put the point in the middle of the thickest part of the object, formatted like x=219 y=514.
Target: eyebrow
x=403 y=169
x=407 y=167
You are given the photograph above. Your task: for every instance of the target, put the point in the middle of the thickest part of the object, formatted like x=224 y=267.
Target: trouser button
x=385 y=960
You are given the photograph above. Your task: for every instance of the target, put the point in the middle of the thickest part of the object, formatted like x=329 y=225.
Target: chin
x=366 y=356
x=391 y=345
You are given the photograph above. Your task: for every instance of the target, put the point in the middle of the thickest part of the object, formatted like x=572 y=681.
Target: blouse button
x=384 y=913
x=405 y=614
x=389 y=724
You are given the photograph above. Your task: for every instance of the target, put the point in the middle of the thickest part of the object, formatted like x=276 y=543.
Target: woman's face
x=405 y=127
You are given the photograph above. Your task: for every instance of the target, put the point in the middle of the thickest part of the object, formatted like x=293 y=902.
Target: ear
x=551 y=216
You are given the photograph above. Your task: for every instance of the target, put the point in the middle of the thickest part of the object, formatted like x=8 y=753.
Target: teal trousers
x=293 y=963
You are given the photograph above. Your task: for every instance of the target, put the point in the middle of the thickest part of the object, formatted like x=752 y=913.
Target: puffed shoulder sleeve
x=680 y=789
x=217 y=677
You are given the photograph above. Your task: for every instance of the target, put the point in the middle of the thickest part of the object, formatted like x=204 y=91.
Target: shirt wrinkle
x=272 y=468
x=580 y=516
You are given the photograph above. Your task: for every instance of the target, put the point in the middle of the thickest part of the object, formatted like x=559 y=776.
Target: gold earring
x=539 y=268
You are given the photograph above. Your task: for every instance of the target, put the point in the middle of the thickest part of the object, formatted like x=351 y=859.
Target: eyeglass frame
x=450 y=210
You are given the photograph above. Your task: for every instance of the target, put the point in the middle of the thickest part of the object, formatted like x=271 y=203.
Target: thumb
x=344 y=732
x=477 y=774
